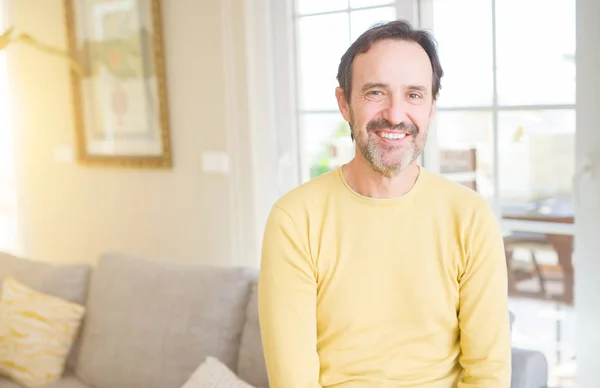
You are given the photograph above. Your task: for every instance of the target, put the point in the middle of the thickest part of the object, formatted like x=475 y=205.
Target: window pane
x=536 y=51
x=536 y=163
x=360 y=21
x=369 y=3
x=319 y=56
x=326 y=143
x=316 y=6
x=462 y=135
x=463 y=30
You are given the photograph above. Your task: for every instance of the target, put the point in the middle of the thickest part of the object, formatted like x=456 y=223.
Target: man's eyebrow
x=419 y=88
x=373 y=85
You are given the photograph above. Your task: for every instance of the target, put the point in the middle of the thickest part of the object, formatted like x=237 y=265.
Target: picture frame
x=120 y=87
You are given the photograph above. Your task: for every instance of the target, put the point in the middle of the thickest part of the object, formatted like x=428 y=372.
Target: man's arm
x=287 y=298
x=483 y=311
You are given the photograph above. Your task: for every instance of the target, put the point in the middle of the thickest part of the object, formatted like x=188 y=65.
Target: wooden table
x=562 y=244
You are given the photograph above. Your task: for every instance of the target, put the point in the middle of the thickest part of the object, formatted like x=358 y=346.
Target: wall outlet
x=216 y=162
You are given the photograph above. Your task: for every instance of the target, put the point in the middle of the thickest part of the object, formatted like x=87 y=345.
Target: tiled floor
x=550 y=328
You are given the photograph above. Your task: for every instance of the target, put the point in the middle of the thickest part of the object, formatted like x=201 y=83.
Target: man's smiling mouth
x=394 y=137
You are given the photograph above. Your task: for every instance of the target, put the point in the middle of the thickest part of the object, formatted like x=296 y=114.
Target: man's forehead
x=393 y=62
x=382 y=85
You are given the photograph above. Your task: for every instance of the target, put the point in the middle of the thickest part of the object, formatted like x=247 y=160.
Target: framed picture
x=119 y=90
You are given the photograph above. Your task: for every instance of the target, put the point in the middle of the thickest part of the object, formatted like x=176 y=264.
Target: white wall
x=587 y=260
x=72 y=213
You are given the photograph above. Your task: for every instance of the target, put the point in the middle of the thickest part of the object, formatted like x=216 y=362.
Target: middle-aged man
x=381 y=273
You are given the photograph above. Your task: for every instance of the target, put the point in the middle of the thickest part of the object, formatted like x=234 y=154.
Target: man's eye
x=414 y=95
x=376 y=92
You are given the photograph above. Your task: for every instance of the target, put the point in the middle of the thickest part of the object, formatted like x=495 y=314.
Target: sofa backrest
x=66 y=281
x=251 y=362
x=150 y=324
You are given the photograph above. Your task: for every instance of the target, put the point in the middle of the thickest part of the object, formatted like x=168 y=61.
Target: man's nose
x=396 y=112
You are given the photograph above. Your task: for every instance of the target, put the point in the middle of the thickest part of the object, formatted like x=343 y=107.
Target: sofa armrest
x=529 y=369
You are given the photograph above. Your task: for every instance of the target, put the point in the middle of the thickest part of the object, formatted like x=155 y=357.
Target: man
x=381 y=273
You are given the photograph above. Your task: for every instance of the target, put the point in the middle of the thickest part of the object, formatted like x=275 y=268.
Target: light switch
x=63 y=153
x=215 y=161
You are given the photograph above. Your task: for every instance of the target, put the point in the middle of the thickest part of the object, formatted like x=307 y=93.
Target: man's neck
x=361 y=177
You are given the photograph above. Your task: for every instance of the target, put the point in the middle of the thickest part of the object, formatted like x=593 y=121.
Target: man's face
x=391 y=104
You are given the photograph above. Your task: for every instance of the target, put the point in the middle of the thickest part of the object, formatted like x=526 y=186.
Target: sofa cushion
x=37 y=333
x=65 y=281
x=151 y=323
x=251 y=365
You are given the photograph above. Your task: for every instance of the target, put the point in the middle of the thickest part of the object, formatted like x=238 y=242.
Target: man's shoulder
x=470 y=212
x=458 y=196
x=309 y=194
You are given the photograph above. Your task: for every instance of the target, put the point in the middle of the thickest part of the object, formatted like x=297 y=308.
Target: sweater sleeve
x=287 y=295
x=483 y=312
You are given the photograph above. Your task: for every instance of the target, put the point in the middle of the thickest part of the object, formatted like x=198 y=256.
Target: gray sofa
x=149 y=324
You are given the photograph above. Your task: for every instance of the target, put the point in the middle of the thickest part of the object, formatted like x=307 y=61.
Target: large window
x=9 y=240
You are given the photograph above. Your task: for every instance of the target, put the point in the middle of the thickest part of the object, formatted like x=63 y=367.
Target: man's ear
x=342 y=103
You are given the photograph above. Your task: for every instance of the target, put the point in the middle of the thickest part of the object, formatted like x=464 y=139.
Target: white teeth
x=392 y=136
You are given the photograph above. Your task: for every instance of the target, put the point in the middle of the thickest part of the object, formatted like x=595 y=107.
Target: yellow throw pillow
x=36 y=334
x=4 y=331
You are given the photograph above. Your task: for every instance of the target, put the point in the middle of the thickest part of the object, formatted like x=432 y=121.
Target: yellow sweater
x=357 y=292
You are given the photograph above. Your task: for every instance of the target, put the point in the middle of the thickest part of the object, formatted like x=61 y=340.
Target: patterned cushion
x=66 y=281
x=214 y=374
x=37 y=331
